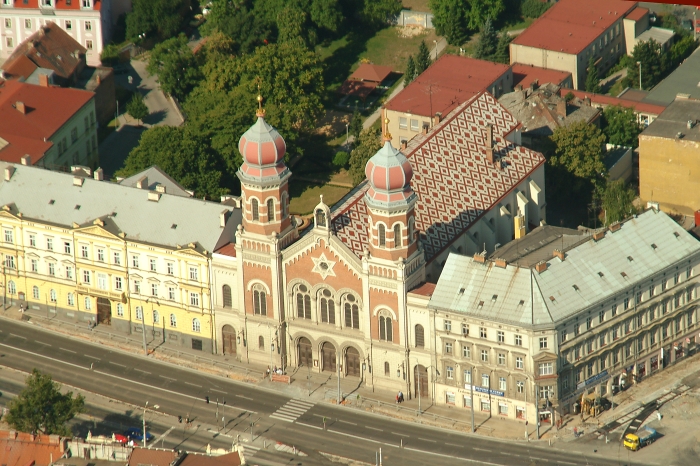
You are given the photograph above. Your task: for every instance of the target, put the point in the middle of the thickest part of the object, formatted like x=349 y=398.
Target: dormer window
x=320 y=218
x=7 y=2
x=48 y=3
x=87 y=3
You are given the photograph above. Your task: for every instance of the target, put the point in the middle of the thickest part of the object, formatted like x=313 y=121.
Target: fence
x=414 y=18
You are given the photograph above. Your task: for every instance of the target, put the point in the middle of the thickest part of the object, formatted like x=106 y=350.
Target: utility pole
x=418 y=383
x=527 y=436
x=339 y=394
x=144 y=424
x=143 y=330
x=471 y=387
x=537 y=411
x=640 y=74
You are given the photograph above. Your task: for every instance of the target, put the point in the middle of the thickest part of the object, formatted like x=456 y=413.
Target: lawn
x=417 y=5
x=305 y=202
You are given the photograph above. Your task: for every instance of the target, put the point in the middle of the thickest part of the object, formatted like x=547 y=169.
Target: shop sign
x=484 y=390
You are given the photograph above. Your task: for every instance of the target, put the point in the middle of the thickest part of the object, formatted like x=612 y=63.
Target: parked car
x=134 y=433
x=123 y=439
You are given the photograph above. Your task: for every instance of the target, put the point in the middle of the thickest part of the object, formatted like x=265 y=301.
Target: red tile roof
x=367 y=72
x=193 y=459
x=605 y=100
x=50 y=47
x=59 y=4
x=359 y=89
x=228 y=249
x=448 y=82
x=637 y=14
x=152 y=457
x=527 y=74
x=425 y=289
x=454 y=183
x=48 y=109
x=21 y=449
x=572 y=25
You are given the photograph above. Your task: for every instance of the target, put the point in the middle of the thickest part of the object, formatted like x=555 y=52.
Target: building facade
x=87 y=21
x=606 y=312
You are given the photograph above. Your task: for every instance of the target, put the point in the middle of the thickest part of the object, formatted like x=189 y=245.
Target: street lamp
x=436 y=48
x=347 y=135
x=695 y=31
x=640 y=74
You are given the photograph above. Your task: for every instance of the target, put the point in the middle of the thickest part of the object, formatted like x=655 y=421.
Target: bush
x=569 y=96
x=341 y=159
x=534 y=8
x=110 y=55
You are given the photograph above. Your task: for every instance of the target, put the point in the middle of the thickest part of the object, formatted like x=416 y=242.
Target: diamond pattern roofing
x=598 y=269
x=454 y=182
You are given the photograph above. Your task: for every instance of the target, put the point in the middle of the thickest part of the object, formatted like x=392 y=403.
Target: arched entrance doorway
x=420 y=381
x=352 y=362
x=328 y=352
x=304 y=351
x=229 y=336
x=104 y=311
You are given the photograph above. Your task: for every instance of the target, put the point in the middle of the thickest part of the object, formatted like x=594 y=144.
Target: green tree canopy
x=654 y=62
x=450 y=20
x=237 y=20
x=488 y=40
x=410 y=74
x=579 y=149
x=378 y=12
x=620 y=126
x=479 y=10
x=160 y=18
x=502 y=54
x=682 y=49
x=137 y=107
x=423 y=60
x=592 y=81
x=182 y=154
x=534 y=8
x=41 y=408
x=616 y=200
x=365 y=147
x=355 y=124
x=175 y=65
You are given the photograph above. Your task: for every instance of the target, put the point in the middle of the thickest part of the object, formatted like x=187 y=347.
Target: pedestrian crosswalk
x=249 y=451
x=292 y=410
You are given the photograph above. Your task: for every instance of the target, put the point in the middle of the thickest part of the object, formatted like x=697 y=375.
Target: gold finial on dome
x=261 y=110
x=387 y=134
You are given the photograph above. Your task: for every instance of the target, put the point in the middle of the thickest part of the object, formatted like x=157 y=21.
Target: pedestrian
x=21 y=308
x=397 y=398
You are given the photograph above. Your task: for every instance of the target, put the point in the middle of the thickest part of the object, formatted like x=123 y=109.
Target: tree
x=682 y=49
x=410 y=74
x=479 y=10
x=579 y=149
x=236 y=20
x=654 y=62
x=620 y=126
x=137 y=108
x=182 y=154
x=160 y=18
x=534 y=8
x=355 y=124
x=423 y=60
x=616 y=199
x=175 y=65
x=41 y=408
x=449 y=20
x=592 y=81
x=488 y=40
x=365 y=147
x=502 y=54
x=377 y=12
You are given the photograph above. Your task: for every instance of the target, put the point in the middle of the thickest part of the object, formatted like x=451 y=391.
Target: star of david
x=323 y=266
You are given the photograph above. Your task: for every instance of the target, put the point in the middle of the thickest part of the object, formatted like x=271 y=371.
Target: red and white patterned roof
x=451 y=176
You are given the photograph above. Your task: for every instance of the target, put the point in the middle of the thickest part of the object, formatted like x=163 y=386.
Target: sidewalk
x=313 y=386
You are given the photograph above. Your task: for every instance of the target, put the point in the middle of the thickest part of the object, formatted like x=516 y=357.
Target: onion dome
x=262 y=148
x=389 y=174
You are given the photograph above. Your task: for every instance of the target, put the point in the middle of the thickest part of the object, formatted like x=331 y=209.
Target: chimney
x=44 y=80
x=479 y=258
x=501 y=263
x=99 y=174
x=587 y=101
x=615 y=226
x=154 y=196
x=437 y=118
x=489 y=144
x=519 y=87
x=142 y=183
x=26 y=160
x=425 y=128
x=534 y=85
x=98 y=79
x=78 y=180
x=561 y=108
x=223 y=217
x=160 y=188
x=598 y=235
x=541 y=266
x=9 y=171
x=559 y=254
x=404 y=144
x=21 y=108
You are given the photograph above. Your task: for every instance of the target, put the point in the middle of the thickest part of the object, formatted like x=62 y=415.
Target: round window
x=302 y=288
x=326 y=293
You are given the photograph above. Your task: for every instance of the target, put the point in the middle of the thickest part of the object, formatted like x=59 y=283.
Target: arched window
x=35 y=292
x=387 y=369
x=259 y=300
x=327 y=307
x=11 y=288
x=120 y=310
x=196 y=326
x=139 y=312
x=254 y=209
x=270 y=210
x=420 y=336
x=173 y=320
x=320 y=218
x=352 y=313
x=226 y=292
x=156 y=317
x=53 y=299
x=88 y=303
x=381 y=231
x=303 y=302
x=397 y=236
x=385 y=328
x=70 y=298
x=261 y=342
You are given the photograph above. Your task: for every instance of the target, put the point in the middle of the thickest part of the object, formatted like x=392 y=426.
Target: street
x=181 y=392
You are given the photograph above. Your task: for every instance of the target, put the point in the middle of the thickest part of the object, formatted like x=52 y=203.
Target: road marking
x=427 y=440
x=309 y=425
x=456 y=457
x=482 y=449
x=140 y=370
x=193 y=384
x=18 y=336
x=117 y=364
x=69 y=351
x=402 y=435
x=41 y=343
x=241 y=396
x=169 y=378
x=361 y=438
x=566 y=462
x=346 y=422
x=215 y=390
x=374 y=428
x=93 y=357
x=107 y=374
x=455 y=445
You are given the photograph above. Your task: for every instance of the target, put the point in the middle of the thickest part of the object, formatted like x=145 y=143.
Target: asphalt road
x=180 y=391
